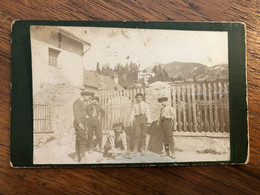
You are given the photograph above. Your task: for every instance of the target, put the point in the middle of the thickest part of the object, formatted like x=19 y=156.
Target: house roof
x=71 y=35
x=93 y=80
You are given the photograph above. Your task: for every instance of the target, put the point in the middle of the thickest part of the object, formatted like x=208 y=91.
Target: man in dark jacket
x=94 y=114
x=80 y=124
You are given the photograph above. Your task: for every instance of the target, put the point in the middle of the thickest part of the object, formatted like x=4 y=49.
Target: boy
x=94 y=115
x=140 y=118
x=167 y=116
x=116 y=142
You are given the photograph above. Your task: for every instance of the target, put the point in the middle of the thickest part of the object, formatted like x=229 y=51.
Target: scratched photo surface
x=121 y=95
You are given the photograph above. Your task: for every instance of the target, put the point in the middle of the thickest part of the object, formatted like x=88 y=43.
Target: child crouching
x=116 y=143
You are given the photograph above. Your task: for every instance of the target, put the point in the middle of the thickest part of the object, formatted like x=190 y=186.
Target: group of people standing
x=88 y=122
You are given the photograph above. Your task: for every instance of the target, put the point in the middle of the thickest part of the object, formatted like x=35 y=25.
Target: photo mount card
x=112 y=93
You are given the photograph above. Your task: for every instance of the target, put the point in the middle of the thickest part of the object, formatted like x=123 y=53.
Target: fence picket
x=216 y=125
x=211 y=125
x=221 y=107
x=179 y=121
x=189 y=118
x=174 y=107
x=194 y=111
x=226 y=108
x=205 y=107
x=183 y=107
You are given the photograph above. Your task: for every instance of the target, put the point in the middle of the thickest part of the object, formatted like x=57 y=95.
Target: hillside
x=184 y=70
x=214 y=73
x=190 y=70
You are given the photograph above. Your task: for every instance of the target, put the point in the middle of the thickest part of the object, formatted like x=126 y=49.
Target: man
x=94 y=114
x=140 y=117
x=167 y=116
x=80 y=124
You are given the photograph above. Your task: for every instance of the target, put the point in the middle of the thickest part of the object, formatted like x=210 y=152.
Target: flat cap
x=95 y=98
x=139 y=94
x=162 y=99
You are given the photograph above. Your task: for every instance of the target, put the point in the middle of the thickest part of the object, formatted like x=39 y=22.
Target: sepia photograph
x=106 y=95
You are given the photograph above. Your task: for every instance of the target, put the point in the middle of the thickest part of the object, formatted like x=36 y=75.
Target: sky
x=151 y=47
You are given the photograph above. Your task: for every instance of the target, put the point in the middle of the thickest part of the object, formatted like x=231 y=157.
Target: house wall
x=69 y=69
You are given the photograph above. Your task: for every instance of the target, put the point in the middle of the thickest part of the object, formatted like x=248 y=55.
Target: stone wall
x=153 y=92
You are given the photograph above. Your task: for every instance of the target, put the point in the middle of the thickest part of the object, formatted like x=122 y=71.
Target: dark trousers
x=81 y=139
x=108 y=147
x=167 y=131
x=140 y=130
x=94 y=127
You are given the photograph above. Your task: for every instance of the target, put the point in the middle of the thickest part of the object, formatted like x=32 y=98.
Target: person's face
x=85 y=97
x=118 y=128
x=139 y=99
x=164 y=103
x=94 y=102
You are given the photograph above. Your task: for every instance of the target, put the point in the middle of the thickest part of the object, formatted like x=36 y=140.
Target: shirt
x=139 y=109
x=79 y=111
x=94 y=111
x=168 y=112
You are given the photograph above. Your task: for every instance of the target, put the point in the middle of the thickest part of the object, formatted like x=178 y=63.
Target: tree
x=98 y=68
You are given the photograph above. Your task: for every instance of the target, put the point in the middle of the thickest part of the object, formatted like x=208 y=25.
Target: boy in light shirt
x=167 y=116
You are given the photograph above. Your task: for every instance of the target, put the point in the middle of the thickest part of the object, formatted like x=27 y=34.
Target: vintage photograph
x=127 y=95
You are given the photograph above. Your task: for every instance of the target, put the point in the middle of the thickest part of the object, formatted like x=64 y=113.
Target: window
x=53 y=57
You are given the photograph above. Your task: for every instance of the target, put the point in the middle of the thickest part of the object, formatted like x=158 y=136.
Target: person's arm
x=148 y=113
x=173 y=116
x=76 y=112
x=124 y=141
x=102 y=111
x=111 y=139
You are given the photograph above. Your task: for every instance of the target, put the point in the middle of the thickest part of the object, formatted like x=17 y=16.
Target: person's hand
x=81 y=126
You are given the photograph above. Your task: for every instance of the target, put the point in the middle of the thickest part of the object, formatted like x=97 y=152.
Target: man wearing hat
x=140 y=117
x=167 y=116
x=80 y=124
x=94 y=113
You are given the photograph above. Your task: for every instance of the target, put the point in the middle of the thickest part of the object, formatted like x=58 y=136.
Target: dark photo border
x=21 y=148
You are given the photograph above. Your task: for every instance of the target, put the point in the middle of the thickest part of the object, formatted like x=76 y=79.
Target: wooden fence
x=41 y=118
x=117 y=105
x=201 y=107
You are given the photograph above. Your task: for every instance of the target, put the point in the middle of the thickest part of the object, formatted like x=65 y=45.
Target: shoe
x=100 y=159
x=163 y=154
x=90 y=151
x=173 y=156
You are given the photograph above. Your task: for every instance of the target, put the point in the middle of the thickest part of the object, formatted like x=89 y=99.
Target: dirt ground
x=188 y=149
